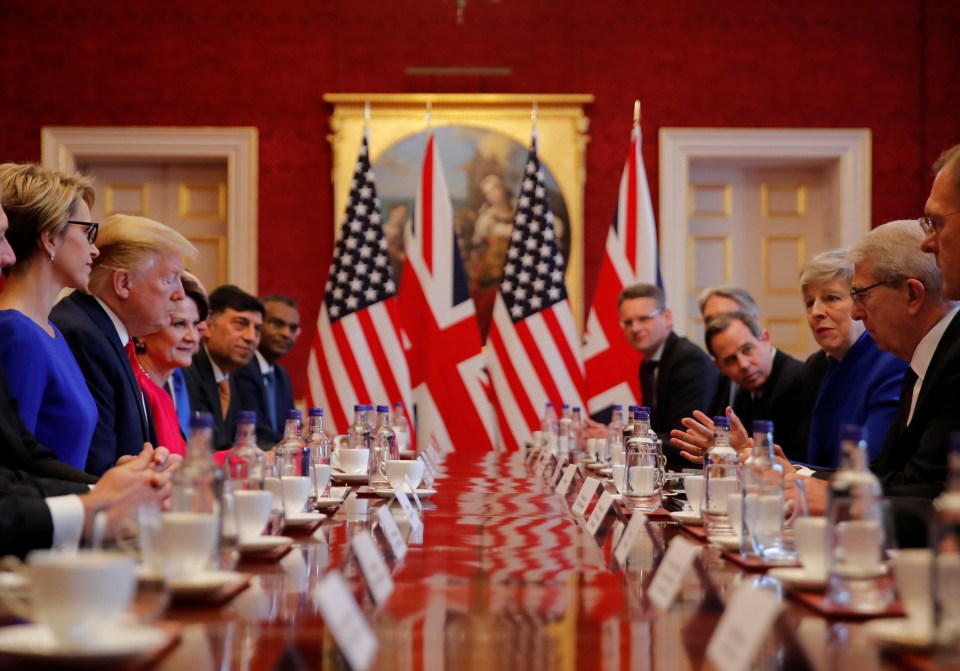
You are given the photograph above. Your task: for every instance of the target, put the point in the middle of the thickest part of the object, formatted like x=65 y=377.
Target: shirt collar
x=659 y=353
x=117 y=324
x=218 y=374
x=923 y=354
x=265 y=366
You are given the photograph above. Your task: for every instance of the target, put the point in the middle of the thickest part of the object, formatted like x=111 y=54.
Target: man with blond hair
x=133 y=290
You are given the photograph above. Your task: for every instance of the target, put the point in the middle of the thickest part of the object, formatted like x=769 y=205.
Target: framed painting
x=483 y=141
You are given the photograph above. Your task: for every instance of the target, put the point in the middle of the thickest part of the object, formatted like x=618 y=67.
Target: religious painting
x=483 y=170
x=483 y=142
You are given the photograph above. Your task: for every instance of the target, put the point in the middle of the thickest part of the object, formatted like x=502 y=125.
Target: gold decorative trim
x=798 y=324
x=692 y=287
x=727 y=200
x=108 y=199
x=183 y=200
x=801 y=193
x=561 y=126
x=801 y=244
x=221 y=241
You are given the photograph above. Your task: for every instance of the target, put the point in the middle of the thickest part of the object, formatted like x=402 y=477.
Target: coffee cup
x=353 y=461
x=693 y=485
x=187 y=540
x=253 y=512
x=618 y=472
x=810 y=535
x=398 y=468
x=321 y=474
x=296 y=491
x=80 y=597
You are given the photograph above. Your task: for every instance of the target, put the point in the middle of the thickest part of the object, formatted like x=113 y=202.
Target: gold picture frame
x=561 y=126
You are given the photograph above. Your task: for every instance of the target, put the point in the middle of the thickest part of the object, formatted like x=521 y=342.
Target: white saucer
x=204 y=582
x=33 y=641
x=798 y=578
x=897 y=633
x=264 y=543
x=337 y=495
x=726 y=542
x=386 y=492
x=596 y=466
x=605 y=471
x=352 y=478
x=686 y=517
x=302 y=519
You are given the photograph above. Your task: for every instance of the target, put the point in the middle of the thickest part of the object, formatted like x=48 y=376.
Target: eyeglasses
x=933 y=225
x=858 y=295
x=93 y=229
x=642 y=319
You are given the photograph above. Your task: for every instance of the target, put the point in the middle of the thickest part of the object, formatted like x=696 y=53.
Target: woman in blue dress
x=849 y=381
x=53 y=238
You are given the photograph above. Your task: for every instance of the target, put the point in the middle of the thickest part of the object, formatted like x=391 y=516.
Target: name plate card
x=558 y=471
x=746 y=620
x=599 y=512
x=541 y=469
x=532 y=453
x=427 y=473
x=392 y=533
x=350 y=630
x=675 y=565
x=405 y=504
x=564 y=485
x=374 y=568
x=585 y=496
x=636 y=526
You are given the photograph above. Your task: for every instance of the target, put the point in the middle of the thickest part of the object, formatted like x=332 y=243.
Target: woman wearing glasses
x=849 y=381
x=53 y=238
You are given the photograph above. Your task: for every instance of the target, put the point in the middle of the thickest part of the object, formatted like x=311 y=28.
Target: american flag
x=630 y=257
x=533 y=353
x=438 y=320
x=357 y=356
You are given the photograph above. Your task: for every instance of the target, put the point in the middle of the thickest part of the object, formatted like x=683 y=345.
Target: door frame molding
x=850 y=148
x=62 y=147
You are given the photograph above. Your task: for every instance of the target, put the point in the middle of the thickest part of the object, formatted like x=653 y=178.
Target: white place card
x=541 y=470
x=350 y=630
x=392 y=532
x=564 y=485
x=599 y=512
x=558 y=471
x=585 y=496
x=636 y=526
x=673 y=567
x=374 y=568
x=532 y=453
x=406 y=485
x=427 y=472
x=407 y=507
x=746 y=620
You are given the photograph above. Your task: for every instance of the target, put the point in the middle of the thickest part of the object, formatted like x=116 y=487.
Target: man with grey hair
x=676 y=377
x=898 y=294
x=941 y=220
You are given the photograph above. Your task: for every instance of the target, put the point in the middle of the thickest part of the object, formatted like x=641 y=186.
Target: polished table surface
x=500 y=577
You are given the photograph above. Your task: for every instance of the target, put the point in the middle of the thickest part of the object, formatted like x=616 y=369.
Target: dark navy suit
x=253 y=396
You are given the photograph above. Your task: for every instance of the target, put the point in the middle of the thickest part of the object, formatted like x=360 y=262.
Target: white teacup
x=321 y=473
x=253 y=512
x=693 y=486
x=398 y=468
x=187 y=540
x=913 y=573
x=80 y=597
x=296 y=491
x=735 y=511
x=810 y=534
x=353 y=461
x=618 y=472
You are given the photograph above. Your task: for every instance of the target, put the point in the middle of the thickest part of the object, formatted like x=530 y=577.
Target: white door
x=755 y=224
x=189 y=197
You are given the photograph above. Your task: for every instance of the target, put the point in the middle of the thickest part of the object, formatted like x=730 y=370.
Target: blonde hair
x=38 y=200
x=825 y=266
x=133 y=243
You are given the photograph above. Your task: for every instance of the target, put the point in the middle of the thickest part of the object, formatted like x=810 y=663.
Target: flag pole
x=533 y=119
x=429 y=115
x=636 y=115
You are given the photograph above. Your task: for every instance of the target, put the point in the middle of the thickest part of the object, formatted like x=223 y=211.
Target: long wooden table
x=501 y=577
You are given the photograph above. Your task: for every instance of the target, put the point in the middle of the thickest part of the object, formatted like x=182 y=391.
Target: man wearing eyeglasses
x=676 y=376
x=941 y=220
x=263 y=384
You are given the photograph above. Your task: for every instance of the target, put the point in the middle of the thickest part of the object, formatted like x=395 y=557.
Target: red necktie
x=131 y=351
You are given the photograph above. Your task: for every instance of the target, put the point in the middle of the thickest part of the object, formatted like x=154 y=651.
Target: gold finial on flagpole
x=366 y=114
x=533 y=118
x=636 y=112
x=429 y=116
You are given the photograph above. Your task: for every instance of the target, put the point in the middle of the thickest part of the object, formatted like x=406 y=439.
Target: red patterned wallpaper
x=891 y=66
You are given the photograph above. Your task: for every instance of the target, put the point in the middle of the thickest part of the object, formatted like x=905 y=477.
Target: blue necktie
x=269 y=382
x=181 y=399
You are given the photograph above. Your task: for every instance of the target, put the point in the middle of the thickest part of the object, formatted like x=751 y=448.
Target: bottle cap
x=576 y=408
x=247 y=417
x=358 y=407
x=641 y=413
x=398 y=404
x=853 y=432
x=617 y=406
x=549 y=404
x=565 y=405
x=316 y=412
x=201 y=420
x=383 y=408
x=722 y=420
x=293 y=413
x=761 y=426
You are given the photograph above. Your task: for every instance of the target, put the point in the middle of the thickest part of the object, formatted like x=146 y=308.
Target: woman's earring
x=51 y=258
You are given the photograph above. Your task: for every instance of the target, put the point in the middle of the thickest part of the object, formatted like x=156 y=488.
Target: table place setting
x=337 y=497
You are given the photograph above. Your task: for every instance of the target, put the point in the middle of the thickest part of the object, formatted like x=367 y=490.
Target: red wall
x=892 y=66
